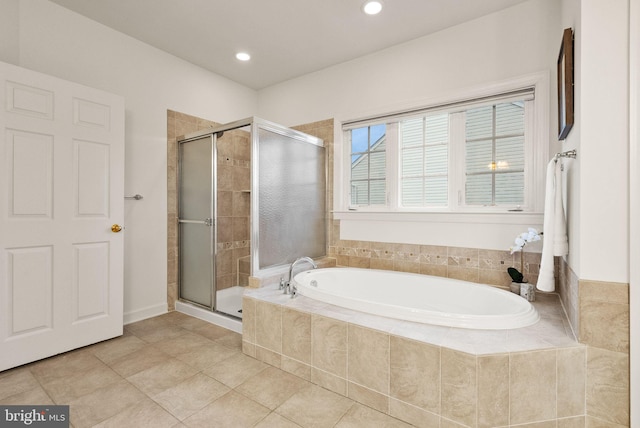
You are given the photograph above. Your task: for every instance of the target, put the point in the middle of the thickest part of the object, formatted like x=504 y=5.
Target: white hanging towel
x=554 y=241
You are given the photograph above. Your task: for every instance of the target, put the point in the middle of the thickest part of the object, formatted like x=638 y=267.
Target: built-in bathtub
x=427 y=375
x=420 y=298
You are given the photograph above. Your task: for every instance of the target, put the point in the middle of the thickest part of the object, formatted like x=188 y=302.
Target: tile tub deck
x=423 y=374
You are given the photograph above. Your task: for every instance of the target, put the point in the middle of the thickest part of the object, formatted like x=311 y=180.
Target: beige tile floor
x=178 y=371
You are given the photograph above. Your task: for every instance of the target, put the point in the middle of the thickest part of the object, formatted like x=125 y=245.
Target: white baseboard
x=212 y=317
x=144 y=313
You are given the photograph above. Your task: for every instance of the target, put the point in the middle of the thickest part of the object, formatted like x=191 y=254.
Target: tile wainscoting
x=468 y=264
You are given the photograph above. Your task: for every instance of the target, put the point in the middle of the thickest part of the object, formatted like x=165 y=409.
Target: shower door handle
x=206 y=221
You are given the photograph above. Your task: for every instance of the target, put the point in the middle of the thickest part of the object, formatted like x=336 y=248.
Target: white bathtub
x=419 y=298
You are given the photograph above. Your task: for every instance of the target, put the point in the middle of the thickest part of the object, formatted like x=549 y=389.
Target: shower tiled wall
x=234 y=202
x=324 y=130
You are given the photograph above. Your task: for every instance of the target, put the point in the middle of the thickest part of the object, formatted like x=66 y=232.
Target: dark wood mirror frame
x=565 y=85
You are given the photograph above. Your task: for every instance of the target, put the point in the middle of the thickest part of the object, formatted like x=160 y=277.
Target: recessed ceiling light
x=372 y=7
x=243 y=56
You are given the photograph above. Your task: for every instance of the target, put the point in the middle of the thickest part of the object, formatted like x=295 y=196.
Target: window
x=368 y=165
x=470 y=156
x=424 y=161
x=494 y=155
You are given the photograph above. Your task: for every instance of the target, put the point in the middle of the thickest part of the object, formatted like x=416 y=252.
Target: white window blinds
x=494 y=154
x=424 y=161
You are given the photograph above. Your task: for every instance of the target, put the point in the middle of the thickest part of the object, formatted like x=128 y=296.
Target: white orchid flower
x=533 y=235
x=521 y=240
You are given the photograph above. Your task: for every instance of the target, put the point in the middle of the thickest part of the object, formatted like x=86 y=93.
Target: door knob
x=116 y=228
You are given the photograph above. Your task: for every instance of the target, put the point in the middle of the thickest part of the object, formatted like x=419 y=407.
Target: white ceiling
x=286 y=38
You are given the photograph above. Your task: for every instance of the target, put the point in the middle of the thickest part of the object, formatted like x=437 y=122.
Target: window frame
x=368 y=152
x=536 y=149
x=529 y=203
x=493 y=172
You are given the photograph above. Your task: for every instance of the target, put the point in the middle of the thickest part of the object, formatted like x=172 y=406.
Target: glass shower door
x=252 y=197
x=290 y=204
x=196 y=221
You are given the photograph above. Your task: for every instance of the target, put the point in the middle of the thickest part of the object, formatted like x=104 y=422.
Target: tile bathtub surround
x=604 y=315
x=428 y=375
x=604 y=327
x=283 y=272
x=607 y=387
x=567 y=285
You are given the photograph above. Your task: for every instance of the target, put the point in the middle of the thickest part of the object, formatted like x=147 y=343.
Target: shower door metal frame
x=210 y=221
x=255 y=124
x=213 y=133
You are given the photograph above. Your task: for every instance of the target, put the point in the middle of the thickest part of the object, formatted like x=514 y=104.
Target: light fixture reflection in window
x=498 y=165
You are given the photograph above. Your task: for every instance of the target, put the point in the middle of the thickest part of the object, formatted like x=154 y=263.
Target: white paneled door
x=61 y=210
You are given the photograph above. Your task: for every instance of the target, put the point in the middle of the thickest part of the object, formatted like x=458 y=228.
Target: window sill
x=510 y=218
x=491 y=231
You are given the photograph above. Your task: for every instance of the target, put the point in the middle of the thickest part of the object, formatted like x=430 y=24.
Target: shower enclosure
x=252 y=198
